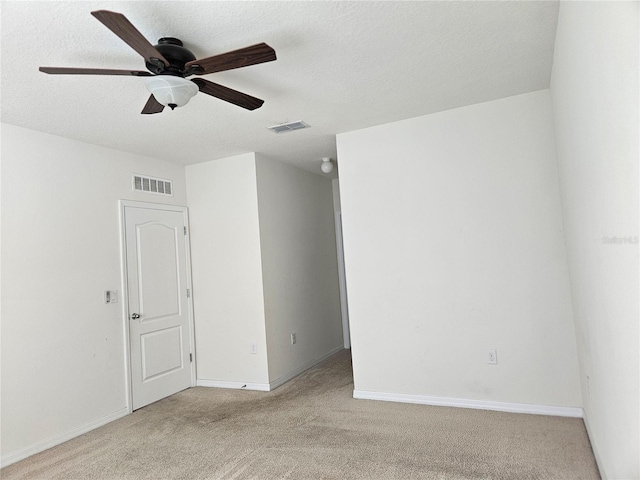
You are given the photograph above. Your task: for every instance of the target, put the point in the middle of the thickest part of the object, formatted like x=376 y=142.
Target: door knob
x=135 y=316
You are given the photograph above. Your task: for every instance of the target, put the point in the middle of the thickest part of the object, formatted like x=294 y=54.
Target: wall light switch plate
x=492 y=357
x=110 y=296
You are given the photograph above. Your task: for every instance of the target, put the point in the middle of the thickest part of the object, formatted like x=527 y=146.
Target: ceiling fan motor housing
x=174 y=51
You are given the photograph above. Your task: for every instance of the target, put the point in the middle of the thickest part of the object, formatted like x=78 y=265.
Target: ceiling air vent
x=158 y=186
x=288 y=127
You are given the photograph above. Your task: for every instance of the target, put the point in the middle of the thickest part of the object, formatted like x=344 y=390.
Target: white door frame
x=125 y=288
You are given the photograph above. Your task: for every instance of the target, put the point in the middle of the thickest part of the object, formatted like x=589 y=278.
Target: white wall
x=594 y=87
x=299 y=267
x=453 y=245
x=344 y=300
x=227 y=271
x=336 y=194
x=62 y=347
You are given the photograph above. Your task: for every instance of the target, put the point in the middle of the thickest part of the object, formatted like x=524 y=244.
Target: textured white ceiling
x=341 y=66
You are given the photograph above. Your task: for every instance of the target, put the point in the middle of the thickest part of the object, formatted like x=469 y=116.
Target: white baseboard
x=58 y=439
x=263 y=387
x=297 y=371
x=267 y=387
x=576 y=412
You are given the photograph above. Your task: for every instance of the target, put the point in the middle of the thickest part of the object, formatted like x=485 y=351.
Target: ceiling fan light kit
x=171 y=91
x=170 y=62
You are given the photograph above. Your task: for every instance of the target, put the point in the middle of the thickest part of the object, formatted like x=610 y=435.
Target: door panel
x=161 y=352
x=158 y=270
x=160 y=338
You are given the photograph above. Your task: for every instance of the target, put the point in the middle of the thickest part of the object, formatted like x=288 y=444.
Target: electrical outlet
x=492 y=357
x=253 y=348
x=293 y=339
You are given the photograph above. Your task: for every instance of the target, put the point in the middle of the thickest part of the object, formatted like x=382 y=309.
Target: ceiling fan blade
x=227 y=94
x=152 y=106
x=243 y=57
x=123 y=28
x=93 y=71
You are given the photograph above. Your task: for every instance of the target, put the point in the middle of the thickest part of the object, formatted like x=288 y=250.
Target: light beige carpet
x=312 y=428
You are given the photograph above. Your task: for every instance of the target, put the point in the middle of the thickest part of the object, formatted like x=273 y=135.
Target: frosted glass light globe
x=327 y=166
x=171 y=91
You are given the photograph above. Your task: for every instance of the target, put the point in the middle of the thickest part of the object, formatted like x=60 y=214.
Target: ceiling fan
x=170 y=63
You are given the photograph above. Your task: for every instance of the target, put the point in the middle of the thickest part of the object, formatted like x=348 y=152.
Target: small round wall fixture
x=327 y=166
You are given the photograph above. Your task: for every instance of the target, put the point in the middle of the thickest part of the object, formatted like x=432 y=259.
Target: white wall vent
x=158 y=186
x=288 y=127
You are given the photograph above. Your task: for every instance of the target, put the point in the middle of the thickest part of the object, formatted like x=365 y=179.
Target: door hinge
x=185 y=230
x=188 y=293
x=191 y=357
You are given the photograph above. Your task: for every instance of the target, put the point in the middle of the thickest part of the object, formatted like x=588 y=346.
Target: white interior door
x=159 y=324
